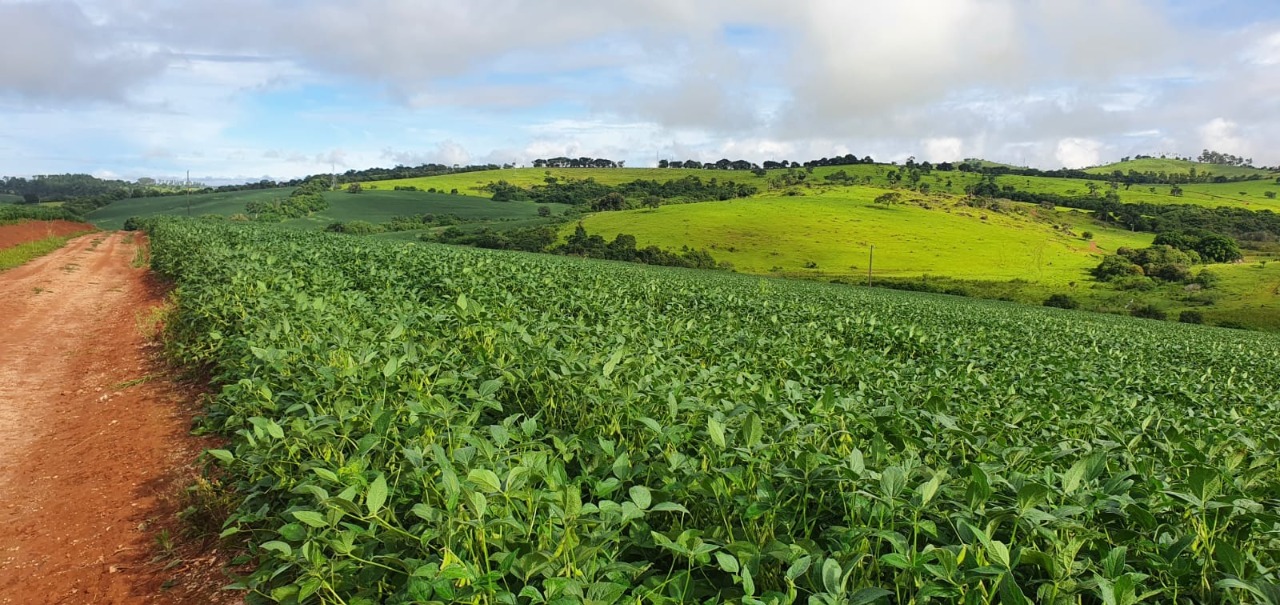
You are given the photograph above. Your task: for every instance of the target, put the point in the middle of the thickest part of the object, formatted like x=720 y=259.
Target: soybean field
x=422 y=424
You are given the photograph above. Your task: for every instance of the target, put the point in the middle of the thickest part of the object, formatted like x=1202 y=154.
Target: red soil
x=21 y=233
x=94 y=439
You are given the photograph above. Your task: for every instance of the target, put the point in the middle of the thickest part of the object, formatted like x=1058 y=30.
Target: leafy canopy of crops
x=432 y=424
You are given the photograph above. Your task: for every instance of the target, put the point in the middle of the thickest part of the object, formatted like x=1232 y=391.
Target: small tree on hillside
x=544 y=211
x=355 y=188
x=889 y=199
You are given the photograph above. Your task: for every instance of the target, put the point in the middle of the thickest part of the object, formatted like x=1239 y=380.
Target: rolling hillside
x=1177 y=167
x=830 y=234
x=1249 y=195
x=373 y=206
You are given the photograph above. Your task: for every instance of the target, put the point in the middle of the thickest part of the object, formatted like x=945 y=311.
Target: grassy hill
x=8 y=198
x=373 y=206
x=830 y=234
x=1171 y=166
x=1249 y=195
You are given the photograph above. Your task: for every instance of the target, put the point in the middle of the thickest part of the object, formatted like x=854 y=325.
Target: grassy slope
x=1224 y=194
x=1176 y=166
x=9 y=198
x=373 y=206
x=835 y=230
x=1250 y=294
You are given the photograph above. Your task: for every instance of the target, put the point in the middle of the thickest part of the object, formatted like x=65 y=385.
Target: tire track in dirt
x=94 y=440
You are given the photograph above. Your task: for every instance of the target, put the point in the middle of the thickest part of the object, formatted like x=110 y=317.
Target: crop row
x=417 y=423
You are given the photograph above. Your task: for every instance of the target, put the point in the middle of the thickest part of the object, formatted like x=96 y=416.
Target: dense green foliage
x=599 y=196
x=14 y=212
x=306 y=199
x=436 y=424
x=1262 y=225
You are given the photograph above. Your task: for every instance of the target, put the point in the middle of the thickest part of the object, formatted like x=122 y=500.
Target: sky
x=236 y=90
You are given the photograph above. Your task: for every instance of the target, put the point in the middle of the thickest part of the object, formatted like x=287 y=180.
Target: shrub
x=1191 y=316
x=1148 y=311
x=1117 y=266
x=1061 y=301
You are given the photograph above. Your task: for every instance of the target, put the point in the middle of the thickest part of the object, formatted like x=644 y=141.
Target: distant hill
x=371 y=206
x=1169 y=166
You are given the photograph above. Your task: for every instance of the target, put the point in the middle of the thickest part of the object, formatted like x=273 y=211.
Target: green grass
x=1249 y=195
x=835 y=229
x=1250 y=294
x=1170 y=166
x=9 y=198
x=20 y=254
x=954 y=182
x=373 y=206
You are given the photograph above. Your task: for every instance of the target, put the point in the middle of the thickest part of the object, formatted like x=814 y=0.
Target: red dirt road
x=12 y=235
x=94 y=439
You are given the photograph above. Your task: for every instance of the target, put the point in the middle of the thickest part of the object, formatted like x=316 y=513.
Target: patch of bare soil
x=29 y=231
x=95 y=444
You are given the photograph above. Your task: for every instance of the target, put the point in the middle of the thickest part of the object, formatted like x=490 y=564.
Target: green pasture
x=1169 y=166
x=830 y=234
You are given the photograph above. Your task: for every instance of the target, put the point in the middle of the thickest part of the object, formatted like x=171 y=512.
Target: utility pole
x=188 y=194
x=871 y=261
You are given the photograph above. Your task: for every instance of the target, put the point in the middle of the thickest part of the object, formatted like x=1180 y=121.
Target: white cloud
x=1223 y=135
x=1079 y=153
x=1040 y=82
x=1265 y=51
x=946 y=149
x=54 y=53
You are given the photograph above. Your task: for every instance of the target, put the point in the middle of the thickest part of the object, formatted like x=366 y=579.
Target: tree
x=652 y=202
x=30 y=198
x=1271 y=195
x=355 y=188
x=1218 y=249
x=544 y=211
x=611 y=201
x=889 y=199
